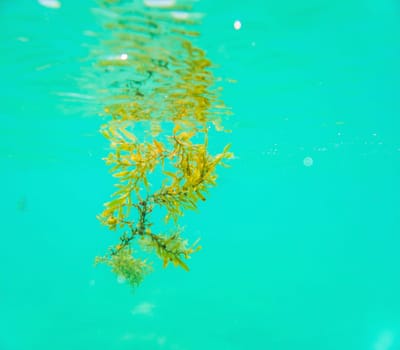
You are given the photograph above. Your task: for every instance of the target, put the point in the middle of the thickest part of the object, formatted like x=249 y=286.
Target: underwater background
x=301 y=235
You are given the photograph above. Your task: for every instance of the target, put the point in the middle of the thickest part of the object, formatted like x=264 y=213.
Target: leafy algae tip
x=160 y=101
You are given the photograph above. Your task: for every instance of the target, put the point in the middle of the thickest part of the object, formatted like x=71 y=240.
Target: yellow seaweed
x=170 y=99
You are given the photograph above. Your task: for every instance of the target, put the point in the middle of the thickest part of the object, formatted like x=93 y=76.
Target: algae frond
x=161 y=102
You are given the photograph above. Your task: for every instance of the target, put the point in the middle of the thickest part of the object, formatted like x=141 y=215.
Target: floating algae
x=161 y=101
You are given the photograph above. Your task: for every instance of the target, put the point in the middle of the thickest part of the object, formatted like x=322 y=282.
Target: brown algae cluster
x=162 y=103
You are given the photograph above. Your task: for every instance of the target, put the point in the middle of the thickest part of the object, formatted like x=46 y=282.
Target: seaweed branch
x=162 y=102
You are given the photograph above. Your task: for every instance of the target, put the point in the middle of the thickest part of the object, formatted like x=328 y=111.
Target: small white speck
x=124 y=56
x=52 y=4
x=45 y=66
x=237 y=25
x=180 y=15
x=89 y=33
x=121 y=279
x=160 y=3
x=143 y=309
x=308 y=161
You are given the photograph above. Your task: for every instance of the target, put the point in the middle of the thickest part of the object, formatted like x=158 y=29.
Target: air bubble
x=237 y=25
x=308 y=161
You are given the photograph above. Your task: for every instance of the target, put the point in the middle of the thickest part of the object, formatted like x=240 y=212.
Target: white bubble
x=124 y=56
x=308 y=161
x=237 y=25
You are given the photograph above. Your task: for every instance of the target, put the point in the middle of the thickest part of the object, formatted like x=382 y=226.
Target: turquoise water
x=301 y=235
